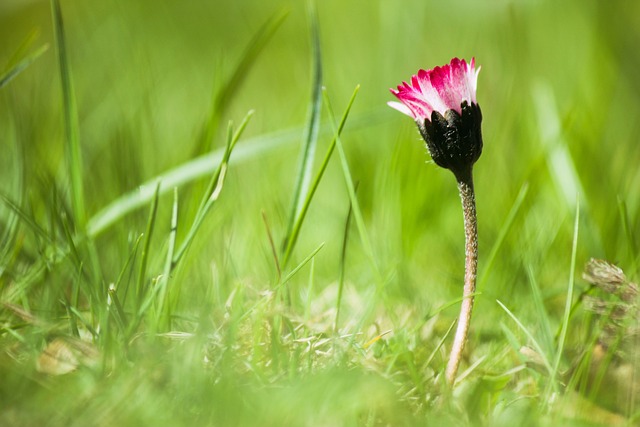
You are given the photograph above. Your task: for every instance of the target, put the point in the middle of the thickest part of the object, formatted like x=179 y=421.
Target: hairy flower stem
x=467 y=195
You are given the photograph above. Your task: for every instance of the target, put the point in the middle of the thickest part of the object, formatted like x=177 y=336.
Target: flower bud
x=442 y=101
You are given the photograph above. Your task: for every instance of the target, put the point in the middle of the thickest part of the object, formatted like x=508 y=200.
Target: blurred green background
x=558 y=90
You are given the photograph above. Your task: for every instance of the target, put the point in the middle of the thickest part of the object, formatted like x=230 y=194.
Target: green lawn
x=186 y=240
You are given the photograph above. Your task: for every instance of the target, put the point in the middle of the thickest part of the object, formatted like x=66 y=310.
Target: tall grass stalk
x=299 y=220
x=310 y=138
x=70 y=113
x=568 y=305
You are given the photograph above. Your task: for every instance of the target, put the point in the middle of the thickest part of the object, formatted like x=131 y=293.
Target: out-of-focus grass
x=219 y=341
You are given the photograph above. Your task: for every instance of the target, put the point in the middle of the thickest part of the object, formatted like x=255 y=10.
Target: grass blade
x=439 y=345
x=21 y=60
x=506 y=226
x=214 y=188
x=26 y=219
x=283 y=282
x=118 y=313
x=10 y=222
x=177 y=177
x=159 y=290
x=202 y=166
x=529 y=335
x=293 y=236
x=125 y=268
x=541 y=312
x=633 y=251
x=252 y=51
x=569 y=303
x=308 y=302
x=302 y=264
x=142 y=272
x=305 y=167
x=70 y=119
x=112 y=291
x=168 y=266
x=343 y=257
x=357 y=213
x=272 y=245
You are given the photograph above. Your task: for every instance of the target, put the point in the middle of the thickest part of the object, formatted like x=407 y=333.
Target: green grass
x=210 y=215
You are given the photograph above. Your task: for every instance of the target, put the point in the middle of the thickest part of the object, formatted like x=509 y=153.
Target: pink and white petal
x=406 y=90
x=473 y=82
x=459 y=89
x=429 y=93
x=437 y=79
x=415 y=83
x=439 y=89
x=414 y=100
x=401 y=107
x=418 y=106
x=441 y=81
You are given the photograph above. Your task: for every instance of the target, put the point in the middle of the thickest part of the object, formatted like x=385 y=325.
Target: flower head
x=443 y=103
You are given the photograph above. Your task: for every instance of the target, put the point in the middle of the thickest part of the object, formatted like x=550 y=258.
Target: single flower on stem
x=443 y=103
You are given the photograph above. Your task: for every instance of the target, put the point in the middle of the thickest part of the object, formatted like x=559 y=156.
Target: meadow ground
x=186 y=241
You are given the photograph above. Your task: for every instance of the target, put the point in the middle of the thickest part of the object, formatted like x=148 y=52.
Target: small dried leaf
x=23 y=314
x=57 y=358
x=66 y=354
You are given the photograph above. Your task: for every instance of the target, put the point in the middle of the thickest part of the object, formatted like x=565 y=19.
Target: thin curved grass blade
x=70 y=112
x=293 y=236
x=214 y=188
x=305 y=166
x=351 y=189
x=251 y=52
x=21 y=59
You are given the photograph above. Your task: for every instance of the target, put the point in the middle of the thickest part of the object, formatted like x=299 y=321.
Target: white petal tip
x=400 y=107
